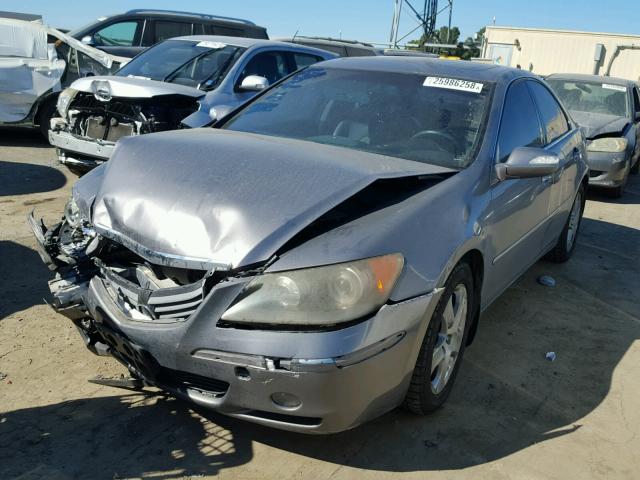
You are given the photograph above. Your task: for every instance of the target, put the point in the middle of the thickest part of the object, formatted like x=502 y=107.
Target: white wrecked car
x=36 y=63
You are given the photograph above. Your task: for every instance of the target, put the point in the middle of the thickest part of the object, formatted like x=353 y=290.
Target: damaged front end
x=142 y=291
x=190 y=293
x=92 y=122
x=167 y=326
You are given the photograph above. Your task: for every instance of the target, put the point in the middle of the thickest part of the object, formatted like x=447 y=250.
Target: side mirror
x=528 y=162
x=254 y=83
x=88 y=40
x=216 y=113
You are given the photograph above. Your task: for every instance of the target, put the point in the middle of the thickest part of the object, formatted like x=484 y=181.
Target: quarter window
x=520 y=126
x=553 y=118
x=116 y=35
x=303 y=60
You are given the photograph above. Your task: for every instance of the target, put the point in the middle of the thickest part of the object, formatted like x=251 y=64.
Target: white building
x=546 y=51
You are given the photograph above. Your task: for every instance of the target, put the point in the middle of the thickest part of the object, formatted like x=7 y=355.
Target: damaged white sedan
x=182 y=82
x=36 y=63
x=323 y=255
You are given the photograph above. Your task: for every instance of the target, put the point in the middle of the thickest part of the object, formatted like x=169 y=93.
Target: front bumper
x=333 y=380
x=80 y=154
x=607 y=169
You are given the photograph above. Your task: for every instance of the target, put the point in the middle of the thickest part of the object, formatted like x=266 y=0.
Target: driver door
x=519 y=207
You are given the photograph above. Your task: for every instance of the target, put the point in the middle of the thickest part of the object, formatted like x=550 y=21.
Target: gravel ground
x=513 y=414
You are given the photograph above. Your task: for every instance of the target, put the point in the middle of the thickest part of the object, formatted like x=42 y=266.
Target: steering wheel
x=440 y=138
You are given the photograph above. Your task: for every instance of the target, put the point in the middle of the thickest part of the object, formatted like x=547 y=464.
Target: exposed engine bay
x=120 y=117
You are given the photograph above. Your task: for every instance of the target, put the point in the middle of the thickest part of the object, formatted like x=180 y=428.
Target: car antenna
x=295 y=35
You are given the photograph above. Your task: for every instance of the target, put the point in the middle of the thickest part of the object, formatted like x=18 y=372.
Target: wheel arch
x=475 y=260
x=43 y=102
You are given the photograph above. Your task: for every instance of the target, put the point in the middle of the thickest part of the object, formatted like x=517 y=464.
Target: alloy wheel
x=449 y=340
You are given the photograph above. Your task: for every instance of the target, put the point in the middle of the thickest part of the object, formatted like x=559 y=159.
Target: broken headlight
x=72 y=213
x=318 y=296
x=64 y=100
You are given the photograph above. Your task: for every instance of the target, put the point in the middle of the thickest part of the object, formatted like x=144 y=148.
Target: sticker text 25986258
x=453 y=84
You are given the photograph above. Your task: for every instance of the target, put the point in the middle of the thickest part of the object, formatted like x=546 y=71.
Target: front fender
x=433 y=230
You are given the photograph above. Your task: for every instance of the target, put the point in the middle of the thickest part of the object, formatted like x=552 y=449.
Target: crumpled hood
x=131 y=87
x=595 y=124
x=215 y=198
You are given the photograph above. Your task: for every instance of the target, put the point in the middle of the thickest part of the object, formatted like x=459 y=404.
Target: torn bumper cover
x=78 y=152
x=171 y=336
x=607 y=169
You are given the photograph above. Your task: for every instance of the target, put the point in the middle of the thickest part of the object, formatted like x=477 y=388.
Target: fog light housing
x=288 y=401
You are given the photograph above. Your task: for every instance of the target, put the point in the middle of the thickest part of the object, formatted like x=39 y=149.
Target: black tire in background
x=45 y=114
x=421 y=398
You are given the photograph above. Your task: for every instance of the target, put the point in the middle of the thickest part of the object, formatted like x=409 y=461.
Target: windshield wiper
x=219 y=73
x=172 y=75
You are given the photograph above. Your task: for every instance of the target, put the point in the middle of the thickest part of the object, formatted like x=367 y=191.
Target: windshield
x=592 y=97
x=195 y=64
x=426 y=119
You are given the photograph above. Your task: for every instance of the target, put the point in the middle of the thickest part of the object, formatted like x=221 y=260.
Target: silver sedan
x=324 y=254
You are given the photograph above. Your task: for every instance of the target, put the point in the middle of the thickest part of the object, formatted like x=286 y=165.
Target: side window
x=166 y=30
x=337 y=49
x=636 y=100
x=270 y=65
x=302 y=60
x=226 y=31
x=122 y=34
x=520 y=126
x=553 y=118
x=359 y=52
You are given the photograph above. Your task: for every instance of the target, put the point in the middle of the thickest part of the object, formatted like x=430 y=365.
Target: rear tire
x=444 y=342
x=569 y=236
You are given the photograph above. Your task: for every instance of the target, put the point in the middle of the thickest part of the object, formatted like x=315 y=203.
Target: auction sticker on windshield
x=208 y=44
x=619 y=88
x=453 y=84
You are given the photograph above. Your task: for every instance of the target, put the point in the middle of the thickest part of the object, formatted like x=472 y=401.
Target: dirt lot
x=513 y=414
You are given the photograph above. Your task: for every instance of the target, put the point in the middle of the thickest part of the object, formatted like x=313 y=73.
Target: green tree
x=465 y=50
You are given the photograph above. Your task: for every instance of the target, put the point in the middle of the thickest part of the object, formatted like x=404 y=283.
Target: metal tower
x=426 y=18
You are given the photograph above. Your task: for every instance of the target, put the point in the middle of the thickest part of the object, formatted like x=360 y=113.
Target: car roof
x=181 y=14
x=429 y=66
x=328 y=41
x=591 y=78
x=244 y=42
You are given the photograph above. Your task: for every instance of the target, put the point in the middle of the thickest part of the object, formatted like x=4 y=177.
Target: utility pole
x=426 y=18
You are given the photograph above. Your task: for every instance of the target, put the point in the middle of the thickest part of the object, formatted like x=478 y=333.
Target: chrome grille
x=146 y=301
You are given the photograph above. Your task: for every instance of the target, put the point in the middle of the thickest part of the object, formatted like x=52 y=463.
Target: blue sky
x=360 y=19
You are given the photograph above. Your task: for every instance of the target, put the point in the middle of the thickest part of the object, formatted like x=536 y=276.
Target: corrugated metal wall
x=555 y=51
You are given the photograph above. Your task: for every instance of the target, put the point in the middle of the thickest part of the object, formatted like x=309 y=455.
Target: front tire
x=568 y=238
x=443 y=344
